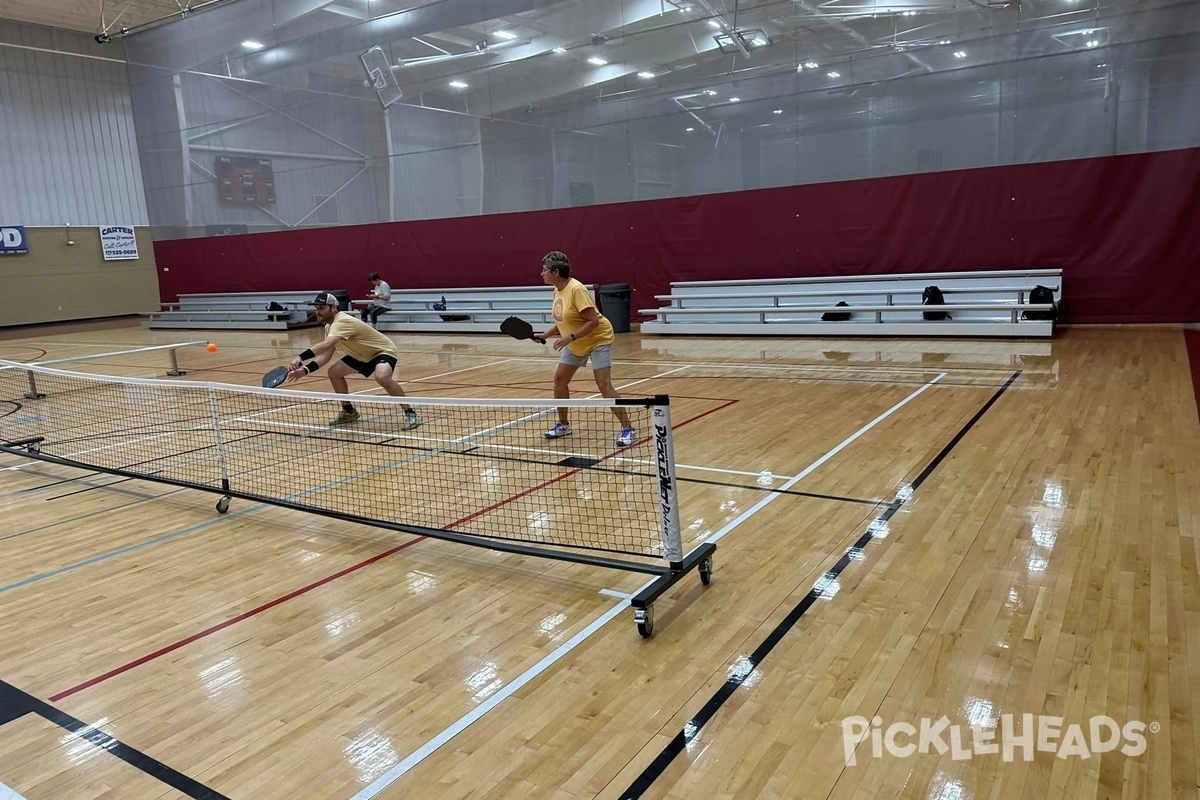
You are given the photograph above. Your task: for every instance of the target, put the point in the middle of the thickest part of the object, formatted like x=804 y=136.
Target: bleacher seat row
x=996 y=303
x=235 y=311
x=472 y=310
x=475 y=310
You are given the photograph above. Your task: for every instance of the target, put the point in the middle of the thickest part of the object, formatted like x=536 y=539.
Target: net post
x=33 y=393
x=175 y=371
x=668 y=501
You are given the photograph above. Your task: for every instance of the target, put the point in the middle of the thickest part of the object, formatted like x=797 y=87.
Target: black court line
x=793 y=492
x=576 y=462
x=15 y=704
x=89 y=489
x=692 y=729
x=59 y=482
x=40 y=351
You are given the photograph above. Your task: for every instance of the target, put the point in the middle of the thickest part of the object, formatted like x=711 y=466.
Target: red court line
x=231 y=621
x=1192 y=339
x=330 y=578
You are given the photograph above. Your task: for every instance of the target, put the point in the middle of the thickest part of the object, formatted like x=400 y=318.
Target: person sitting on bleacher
x=380 y=294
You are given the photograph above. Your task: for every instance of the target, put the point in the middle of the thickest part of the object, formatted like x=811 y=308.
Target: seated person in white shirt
x=380 y=294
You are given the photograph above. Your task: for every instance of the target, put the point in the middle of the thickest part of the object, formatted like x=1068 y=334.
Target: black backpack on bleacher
x=932 y=296
x=1041 y=296
x=449 y=317
x=837 y=316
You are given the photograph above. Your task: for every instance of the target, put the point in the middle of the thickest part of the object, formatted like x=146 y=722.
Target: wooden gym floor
x=907 y=530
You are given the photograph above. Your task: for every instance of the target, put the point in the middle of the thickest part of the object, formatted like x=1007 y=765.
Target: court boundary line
x=716 y=537
x=7 y=793
x=582 y=635
x=749 y=664
x=432 y=745
x=784 y=367
x=291 y=595
x=15 y=703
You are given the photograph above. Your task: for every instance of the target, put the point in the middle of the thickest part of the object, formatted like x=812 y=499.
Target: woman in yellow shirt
x=582 y=333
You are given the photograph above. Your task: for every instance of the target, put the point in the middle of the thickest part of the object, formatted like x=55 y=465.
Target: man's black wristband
x=308 y=354
x=311 y=367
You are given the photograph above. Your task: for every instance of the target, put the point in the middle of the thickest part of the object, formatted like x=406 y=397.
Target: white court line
x=127 y=442
x=809 y=469
x=545 y=411
x=246 y=418
x=615 y=593
x=784 y=367
x=427 y=749
x=760 y=474
x=9 y=794
x=461 y=439
x=746 y=364
x=123 y=443
x=439 y=375
x=464 y=369
x=364 y=392
x=431 y=746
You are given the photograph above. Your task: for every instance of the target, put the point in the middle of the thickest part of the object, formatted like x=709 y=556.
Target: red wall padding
x=1125 y=230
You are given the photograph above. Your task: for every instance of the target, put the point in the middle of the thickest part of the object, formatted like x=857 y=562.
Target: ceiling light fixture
x=750 y=39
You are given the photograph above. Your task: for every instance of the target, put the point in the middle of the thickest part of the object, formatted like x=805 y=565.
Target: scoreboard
x=244 y=180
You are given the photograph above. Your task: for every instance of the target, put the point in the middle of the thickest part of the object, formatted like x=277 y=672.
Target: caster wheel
x=644 y=617
x=223 y=505
x=706 y=571
x=36 y=447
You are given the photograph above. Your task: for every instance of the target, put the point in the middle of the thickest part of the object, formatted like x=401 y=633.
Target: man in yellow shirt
x=368 y=352
x=582 y=333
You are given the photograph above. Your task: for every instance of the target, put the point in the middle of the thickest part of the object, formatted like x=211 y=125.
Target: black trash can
x=614 y=304
x=343 y=298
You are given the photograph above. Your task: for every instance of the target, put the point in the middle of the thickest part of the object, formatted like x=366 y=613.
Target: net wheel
x=223 y=505
x=644 y=617
x=706 y=571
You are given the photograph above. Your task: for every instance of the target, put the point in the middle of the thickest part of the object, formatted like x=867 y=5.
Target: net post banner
x=222 y=458
x=664 y=455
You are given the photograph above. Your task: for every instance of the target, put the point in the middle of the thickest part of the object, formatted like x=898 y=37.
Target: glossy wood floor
x=907 y=530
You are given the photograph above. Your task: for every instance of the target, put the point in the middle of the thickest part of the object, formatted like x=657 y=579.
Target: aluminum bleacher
x=978 y=304
x=472 y=310
x=235 y=311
